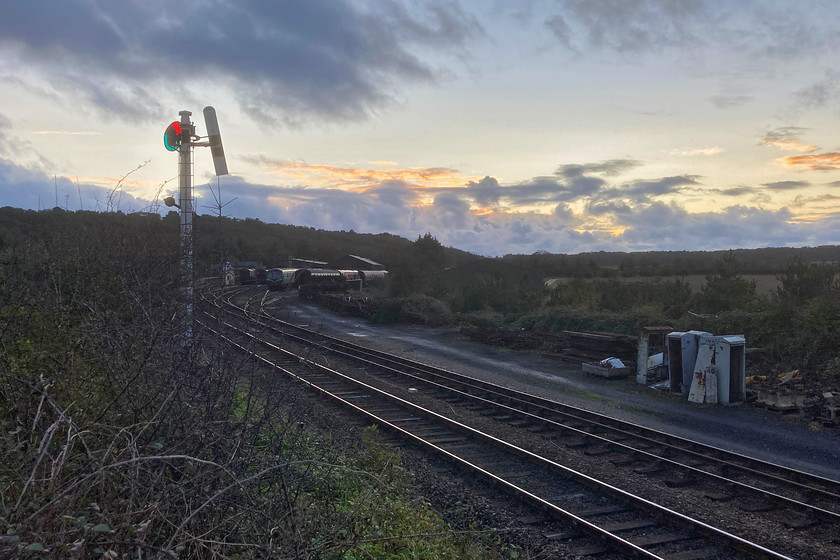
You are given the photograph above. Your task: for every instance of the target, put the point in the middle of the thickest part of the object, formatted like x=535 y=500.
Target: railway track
x=793 y=500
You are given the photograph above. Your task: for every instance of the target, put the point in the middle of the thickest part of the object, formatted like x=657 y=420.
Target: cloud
x=787 y=138
x=659 y=187
x=625 y=27
x=396 y=194
x=580 y=208
x=741 y=190
x=561 y=30
x=66 y=132
x=814 y=162
x=816 y=208
x=5 y=124
x=610 y=168
x=608 y=207
x=536 y=191
x=569 y=183
x=343 y=176
x=730 y=101
x=290 y=61
x=486 y=192
x=565 y=214
x=450 y=211
x=711 y=151
x=551 y=190
x=698 y=35
x=641 y=191
x=819 y=94
x=489 y=218
x=787 y=185
x=30 y=187
x=670 y=227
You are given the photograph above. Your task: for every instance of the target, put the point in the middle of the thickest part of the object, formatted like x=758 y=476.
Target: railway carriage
x=352 y=279
x=261 y=276
x=372 y=276
x=312 y=281
x=280 y=278
x=247 y=276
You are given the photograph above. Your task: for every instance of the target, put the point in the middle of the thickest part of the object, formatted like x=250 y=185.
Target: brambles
x=120 y=442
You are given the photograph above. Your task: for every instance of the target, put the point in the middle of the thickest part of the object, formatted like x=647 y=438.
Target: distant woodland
x=119 y=441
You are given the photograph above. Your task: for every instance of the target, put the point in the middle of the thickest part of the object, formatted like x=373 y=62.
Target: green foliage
x=429 y=248
x=670 y=298
x=604 y=264
x=120 y=442
x=577 y=294
x=564 y=319
x=801 y=281
x=833 y=368
x=252 y=240
x=798 y=328
x=415 y=268
x=415 y=309
x=726 y=289
x=371 y=489
x=497 y=293
x=490 y=285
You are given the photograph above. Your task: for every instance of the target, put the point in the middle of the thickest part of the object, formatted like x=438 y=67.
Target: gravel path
x=784 y=439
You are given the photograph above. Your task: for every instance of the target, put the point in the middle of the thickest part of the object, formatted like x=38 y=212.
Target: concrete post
x=642 y=357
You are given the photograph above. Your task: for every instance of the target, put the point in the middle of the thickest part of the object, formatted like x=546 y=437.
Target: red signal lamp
x=172 y=136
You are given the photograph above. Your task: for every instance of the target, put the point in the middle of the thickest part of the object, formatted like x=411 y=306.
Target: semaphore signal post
x=180 y=136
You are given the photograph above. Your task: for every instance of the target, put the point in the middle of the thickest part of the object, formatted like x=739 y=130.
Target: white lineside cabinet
x=681 y=354
x=730 y=359
x=727 y=355
x=704 y=369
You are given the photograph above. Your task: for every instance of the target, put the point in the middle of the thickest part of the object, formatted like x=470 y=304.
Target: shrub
x=415 y=309
x=120 y=441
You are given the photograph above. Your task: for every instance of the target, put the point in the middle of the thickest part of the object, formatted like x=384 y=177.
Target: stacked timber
x=582 y=347
x=569 y=346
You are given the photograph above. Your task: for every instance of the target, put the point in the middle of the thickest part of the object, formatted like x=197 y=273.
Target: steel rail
x=537 y=419
x=738 y=543
x=771 y=472
x=375 y=358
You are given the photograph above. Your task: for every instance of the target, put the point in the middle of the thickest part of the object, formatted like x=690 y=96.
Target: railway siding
x=579 y=441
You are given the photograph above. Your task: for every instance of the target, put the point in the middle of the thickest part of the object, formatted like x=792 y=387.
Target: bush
x=119 y=441
x=726 y=289
x=415 y=309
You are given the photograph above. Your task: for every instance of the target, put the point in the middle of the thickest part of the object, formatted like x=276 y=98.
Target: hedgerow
x=121 y=440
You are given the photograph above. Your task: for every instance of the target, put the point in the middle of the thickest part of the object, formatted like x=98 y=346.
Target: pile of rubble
x=793 y=391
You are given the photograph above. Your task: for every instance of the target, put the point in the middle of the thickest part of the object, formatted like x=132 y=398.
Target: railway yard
x=558 y=465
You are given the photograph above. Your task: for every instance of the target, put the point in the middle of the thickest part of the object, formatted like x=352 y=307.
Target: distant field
x=765 y=283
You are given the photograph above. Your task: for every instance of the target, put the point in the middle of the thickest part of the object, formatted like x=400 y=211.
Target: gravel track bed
x=805 y=543
x=467 y=503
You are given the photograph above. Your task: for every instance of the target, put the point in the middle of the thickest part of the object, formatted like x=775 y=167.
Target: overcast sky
x=497 y=126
